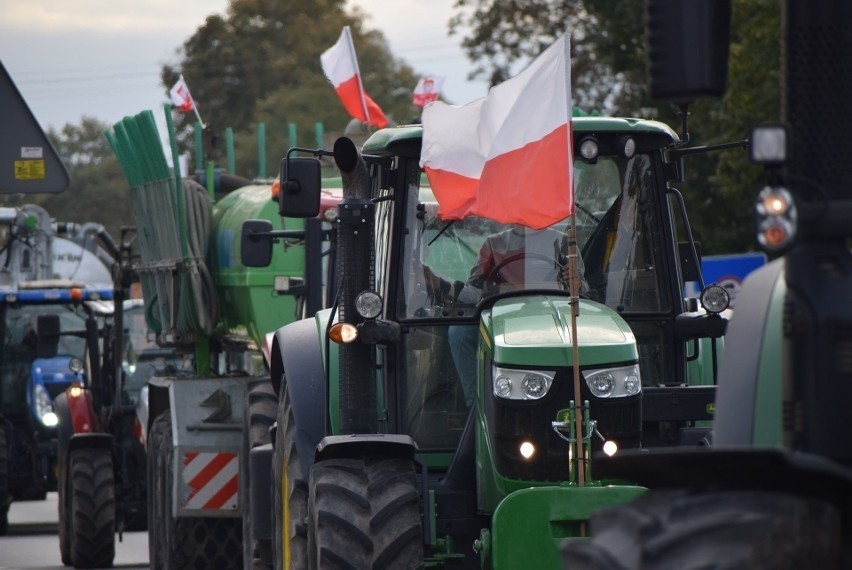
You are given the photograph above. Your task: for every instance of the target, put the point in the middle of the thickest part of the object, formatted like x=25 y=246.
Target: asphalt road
x=33 y=543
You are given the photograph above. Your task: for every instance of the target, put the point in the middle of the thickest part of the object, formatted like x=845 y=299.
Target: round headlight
x=589 y=149
x=632 y=384
x=75 y=365
x=627 y=146
x=502 y=386
x=601 y=384
x=534 y=386
x=368 y=304
x=715 y=299
x=49 y=419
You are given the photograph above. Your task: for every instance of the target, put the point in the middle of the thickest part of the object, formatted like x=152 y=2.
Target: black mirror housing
x=299 y=193
x=687 y=48
x=256 y=243
x=47 y=329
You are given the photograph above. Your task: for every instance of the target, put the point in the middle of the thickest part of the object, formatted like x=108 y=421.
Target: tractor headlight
x=768 y=145
x=44 y=407
x=368 y=304
x=75 y=365
x=715 y=299
x=513 y=384
x=614 y=382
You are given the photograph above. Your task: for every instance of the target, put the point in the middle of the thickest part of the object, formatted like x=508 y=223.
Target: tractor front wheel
x=290 y=535
x=92 y=507
x=734 y=529
x=364 y=513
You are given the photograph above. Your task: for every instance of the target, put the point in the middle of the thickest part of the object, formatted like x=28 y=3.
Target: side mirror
x=299 y=194
x=47 y=329
x=687 y=48
x=256 y=243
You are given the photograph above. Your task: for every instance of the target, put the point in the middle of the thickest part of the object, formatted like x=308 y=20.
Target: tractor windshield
x=20 y=343
x=456 y=265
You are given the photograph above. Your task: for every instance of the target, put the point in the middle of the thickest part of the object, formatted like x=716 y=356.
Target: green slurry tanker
x=202 y=418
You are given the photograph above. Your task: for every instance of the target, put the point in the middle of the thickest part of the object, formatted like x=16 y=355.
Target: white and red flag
x=507 y=156
x=427 y=89
x=179 y=94
x=340 y=66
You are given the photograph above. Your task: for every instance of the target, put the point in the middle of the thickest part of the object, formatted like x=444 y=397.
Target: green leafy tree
x=261 y=62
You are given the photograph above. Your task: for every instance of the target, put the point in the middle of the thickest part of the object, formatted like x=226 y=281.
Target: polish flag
x=508 y=156
x=179 y=94
x=427 y=90
x=340 y=66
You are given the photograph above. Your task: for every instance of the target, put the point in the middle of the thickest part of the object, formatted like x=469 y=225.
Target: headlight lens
x=44 y=407
x=513 y=384
x=614 y=382
x=715 y=299
x=368 y=304
x=75 y=365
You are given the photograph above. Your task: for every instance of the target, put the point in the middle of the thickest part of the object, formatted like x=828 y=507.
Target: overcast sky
x=102 y=58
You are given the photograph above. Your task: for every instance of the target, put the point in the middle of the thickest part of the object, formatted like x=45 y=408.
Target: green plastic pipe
x=229 y=150
x=261 y=150
x=319 y=134
x=292 y=132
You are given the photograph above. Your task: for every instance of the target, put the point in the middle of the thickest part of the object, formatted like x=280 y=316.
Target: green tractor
x=775 y=491
x=428 y=417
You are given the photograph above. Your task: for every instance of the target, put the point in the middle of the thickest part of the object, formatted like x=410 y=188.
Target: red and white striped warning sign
x=213 y=480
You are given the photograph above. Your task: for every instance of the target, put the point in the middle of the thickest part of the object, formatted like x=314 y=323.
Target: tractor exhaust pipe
x=355 y=258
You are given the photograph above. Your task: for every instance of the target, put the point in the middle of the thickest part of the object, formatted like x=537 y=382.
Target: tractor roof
x=406 y=140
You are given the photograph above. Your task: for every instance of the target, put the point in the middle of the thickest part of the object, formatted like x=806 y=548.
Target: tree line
x=259 y=62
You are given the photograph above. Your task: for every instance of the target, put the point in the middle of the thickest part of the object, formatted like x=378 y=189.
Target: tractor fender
x=360 y=445
x=736 y=395
x=158 y=400
x=90 y=441
x=76 y=415
x=297 y=359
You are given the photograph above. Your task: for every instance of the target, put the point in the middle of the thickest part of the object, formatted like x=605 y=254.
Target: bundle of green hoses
x=173 y=219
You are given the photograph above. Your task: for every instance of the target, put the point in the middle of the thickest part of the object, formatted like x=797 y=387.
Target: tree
x=261 y=63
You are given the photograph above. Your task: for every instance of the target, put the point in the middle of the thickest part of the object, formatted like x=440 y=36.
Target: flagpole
x=574 y=292
x=358 y=75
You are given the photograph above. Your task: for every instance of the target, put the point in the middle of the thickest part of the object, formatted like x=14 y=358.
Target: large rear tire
x=290 y=534
x=364 y=513
x=5 y=498
x=189 y=543
x=92 y=507
x=63 y=503
x=262 y=404
x=737 y=529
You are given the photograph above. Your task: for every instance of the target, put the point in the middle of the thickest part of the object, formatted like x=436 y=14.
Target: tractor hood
x=536 y=331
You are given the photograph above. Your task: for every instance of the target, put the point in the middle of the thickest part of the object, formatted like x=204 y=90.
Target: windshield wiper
x=445 y=228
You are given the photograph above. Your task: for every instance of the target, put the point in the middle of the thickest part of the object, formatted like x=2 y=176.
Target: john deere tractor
x=431 y=418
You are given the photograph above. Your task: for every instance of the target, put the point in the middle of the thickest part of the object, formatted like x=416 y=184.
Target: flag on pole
x=427 y=89
x=508 y=156
x=340 y=66
x=180 y=96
